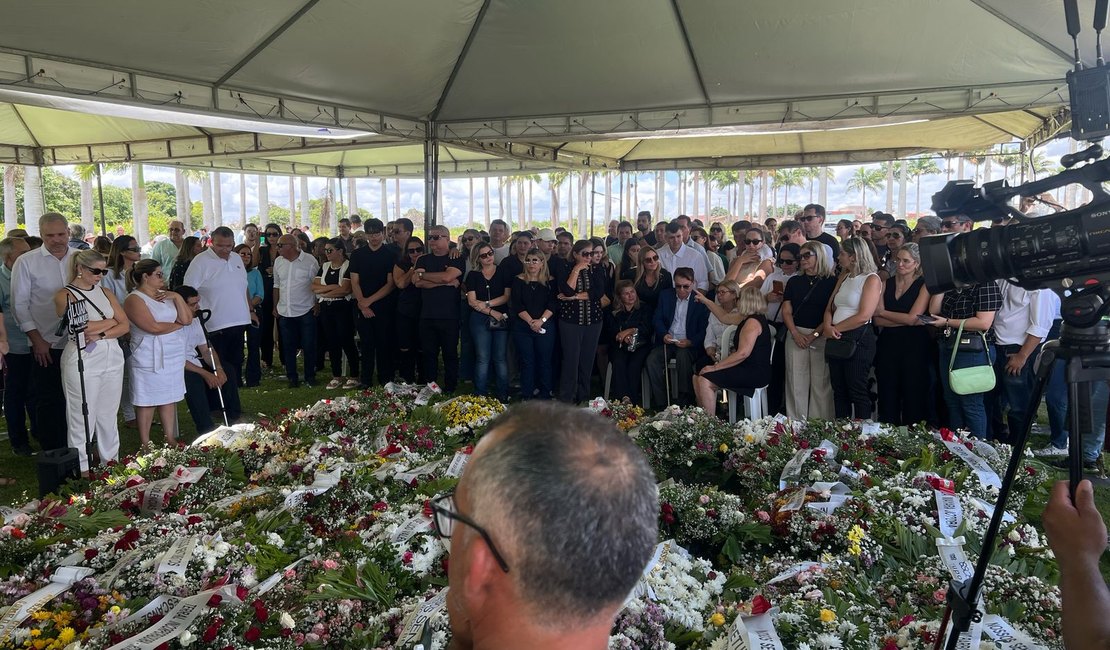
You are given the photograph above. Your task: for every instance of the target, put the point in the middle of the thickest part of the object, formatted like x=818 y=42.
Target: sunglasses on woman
x=753 y=242
x=418 y=249
x=96 y=271
x=784 y=262
x=485 y=255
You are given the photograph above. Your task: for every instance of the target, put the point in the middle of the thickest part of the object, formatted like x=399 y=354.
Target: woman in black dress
x=630 y=259
x=749 y=365
x=651 y=279
x=902 y=359
x=628 y=329
x=408 y=312
x=267 y=253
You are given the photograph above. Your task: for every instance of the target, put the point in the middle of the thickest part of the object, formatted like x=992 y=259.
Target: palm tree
x=788 y=179
x=85 y=175
x=486 y=203
x=470 y=196
x=864 y=179
x=916 y=168
x=352 y=196
x=1039 y=163
x=184 y=208
x=976 y=158
x=33 y=205
x=555 y=180
x=11 y=210
x=263 y=198
x=304 y=204
x=218 y=199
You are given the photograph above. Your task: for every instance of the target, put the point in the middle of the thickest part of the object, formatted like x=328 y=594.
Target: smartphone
x=776 y=286
x=925 y=318
x=262 y=240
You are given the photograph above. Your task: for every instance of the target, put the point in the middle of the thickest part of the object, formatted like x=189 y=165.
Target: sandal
x=335 y=383
x=352 y=383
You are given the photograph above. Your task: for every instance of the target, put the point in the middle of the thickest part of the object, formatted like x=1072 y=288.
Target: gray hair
x=6 y=245
x=930 y=223
x=52 y=217
x=574 y=503
x=76 y=231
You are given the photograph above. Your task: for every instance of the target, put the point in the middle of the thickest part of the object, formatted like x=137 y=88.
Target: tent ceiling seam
x=997 y=128
x=985 y=6
x=690 y=51
x=459 y=61
x=273 y=36
x=30 y=133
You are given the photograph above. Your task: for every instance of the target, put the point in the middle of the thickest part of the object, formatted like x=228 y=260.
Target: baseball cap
x=546 y=234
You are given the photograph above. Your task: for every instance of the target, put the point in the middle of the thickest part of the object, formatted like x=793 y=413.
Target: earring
x=78 y=275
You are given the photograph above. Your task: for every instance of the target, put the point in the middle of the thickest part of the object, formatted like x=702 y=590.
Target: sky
x=456 y=202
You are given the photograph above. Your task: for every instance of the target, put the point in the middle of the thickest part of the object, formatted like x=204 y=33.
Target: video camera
x=1068 y=249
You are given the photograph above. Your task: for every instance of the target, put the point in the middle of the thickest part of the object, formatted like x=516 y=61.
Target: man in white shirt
x=294 y=271
x=165 y=251
x=676 y=255
x=221 y=280
x=499 y=240
x=1020 y=327
x=36 y=277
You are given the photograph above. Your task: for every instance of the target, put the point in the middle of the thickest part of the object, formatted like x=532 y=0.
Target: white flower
x=186 y=638
x=286 y=621
x=828 y=642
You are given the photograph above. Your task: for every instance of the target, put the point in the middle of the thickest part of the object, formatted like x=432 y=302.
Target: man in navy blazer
x=680 y=323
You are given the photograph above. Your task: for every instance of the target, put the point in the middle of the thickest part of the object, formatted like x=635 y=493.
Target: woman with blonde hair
x=487 y=295
x=749 y=268
x=902 y=356
x=100 y=354
x=749 y=365
x=532 y=303
x=651 y=278
x=157 y=361
x=808 y=391
x=728 y=293
x=850 y=339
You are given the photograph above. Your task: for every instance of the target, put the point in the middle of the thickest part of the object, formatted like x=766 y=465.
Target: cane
x=204 y=315
x=666 y=375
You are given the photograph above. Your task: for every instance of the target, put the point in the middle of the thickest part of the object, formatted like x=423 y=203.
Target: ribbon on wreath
x=60 y=582
x=177 y=620
x=414 y=622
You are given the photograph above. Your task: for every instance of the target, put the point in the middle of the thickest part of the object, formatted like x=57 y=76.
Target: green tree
x=918 y=167
x=864 y=179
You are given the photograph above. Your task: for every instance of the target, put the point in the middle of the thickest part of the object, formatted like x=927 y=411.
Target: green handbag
x=972 y=380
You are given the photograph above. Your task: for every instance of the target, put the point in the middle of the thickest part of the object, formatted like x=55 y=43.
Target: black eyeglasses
x=134 y=250
x=753 y=242
x=444 y=517
x=950 y=224
x=434 y=237
x=653 y=258
x=808 y=254
x=469 y=238
x=329 y=251
x=808 y=217
x=96 y=271
x=485 y=255
x=273 y=234
x=418 y=249
x=784 y=262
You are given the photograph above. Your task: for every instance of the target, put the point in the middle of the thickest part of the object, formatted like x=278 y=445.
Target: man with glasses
x=791 y=232
x=680 y=322
x=221 y=281
x=956 y=224
x=676 y=254
x=813 y=222
x=881 y=223
x=926 y=226
x=165 y=252
x=399 y=235
x=438 y=276
x=18 y=401
x=527 y=571
x=371 y=270
x=36 y=277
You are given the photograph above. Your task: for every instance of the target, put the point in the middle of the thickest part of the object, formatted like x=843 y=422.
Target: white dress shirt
x=678 y=325
x=294 y=281
x=774 y=309
x=36 y=277
x=687 y=256
x=1023 y=313
x=222 y=285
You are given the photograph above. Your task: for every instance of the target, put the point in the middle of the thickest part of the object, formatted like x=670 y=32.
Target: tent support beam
x=530 y=152
x=431 y=178
x=690 y=51
x=982 y=4
x=774 y=161
x=273 y=36
x=1051 y=126
x=459 y=61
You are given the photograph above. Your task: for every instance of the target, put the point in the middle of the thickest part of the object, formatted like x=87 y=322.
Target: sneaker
x=352 y=383
x=1050 y=451
x=335 y=383
x=1094 y=468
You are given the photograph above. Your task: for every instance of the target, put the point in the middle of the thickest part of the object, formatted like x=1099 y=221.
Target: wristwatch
x=543 y=319
x=816 y=334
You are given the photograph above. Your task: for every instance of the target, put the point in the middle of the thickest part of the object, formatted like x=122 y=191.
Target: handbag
x=974 y=379
x=840 y=349
x=495 y=324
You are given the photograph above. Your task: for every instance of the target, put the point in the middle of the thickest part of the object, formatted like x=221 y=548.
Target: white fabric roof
x=520 y=84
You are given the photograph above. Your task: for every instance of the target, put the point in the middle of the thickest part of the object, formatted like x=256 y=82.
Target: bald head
x=177 y=232
x=287 y=247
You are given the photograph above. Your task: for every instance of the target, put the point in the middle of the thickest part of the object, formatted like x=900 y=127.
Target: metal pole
x=100 y=195
x=431 y=176
x=592 y=195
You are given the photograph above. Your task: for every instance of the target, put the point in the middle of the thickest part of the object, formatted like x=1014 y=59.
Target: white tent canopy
x=354 y=87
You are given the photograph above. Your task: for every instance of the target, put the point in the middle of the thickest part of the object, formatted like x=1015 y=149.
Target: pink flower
x=331 y=565
x=763 y=516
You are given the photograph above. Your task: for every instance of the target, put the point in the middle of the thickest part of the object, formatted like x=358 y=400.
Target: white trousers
x=103 y=388
x=808 y=386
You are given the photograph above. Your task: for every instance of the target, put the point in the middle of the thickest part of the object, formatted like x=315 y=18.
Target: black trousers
x=376 y=345
x=18 y=406
x=228 y=344
x=50 y=402
x=440 y=335
x=776 y=390
x=409 y=363
x=578 y=344
x=268 y=325
x=198 y=398
x=627 y=367
x=338 y=333
x=902 y=370
x=849 y=376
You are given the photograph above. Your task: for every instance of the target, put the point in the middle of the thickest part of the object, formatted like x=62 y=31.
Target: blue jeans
x=1016 y=392
x=965 y=411
x=1056 y=397
x=299 y=332
x=1092 y=444
x=489 y=346
x=535 y=353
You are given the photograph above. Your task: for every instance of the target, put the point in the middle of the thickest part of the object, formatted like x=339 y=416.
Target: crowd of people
x=656 y=312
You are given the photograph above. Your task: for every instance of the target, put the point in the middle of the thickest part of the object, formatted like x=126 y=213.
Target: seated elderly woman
x=749 y=365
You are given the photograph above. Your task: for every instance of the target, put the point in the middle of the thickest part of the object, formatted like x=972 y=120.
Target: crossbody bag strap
x=956 y=345
x=70 y=288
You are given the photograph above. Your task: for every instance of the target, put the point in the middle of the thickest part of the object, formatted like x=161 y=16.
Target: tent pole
x=431 y=176
x=593 y=197
x=100 y=196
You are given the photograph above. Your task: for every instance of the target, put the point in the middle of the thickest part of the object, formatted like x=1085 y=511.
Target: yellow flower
x=828 y=616
x=723 y=448
x=35 y=632
x=66 y=636
x=717 y=619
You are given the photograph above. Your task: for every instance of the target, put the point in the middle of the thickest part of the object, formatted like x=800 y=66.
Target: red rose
x=163 y=646
x=253 y=634
x=90 y=553
x=261 y=614
x=241 y=592
x=127 y=542
x=215 y=600
x=760 y=605
x=212 y=630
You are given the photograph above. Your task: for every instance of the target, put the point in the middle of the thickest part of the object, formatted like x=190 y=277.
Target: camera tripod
x=1084 y=346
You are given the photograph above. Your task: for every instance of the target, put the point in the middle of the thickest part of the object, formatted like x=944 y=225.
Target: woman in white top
x=749 y=267
x=157 y=361
x=124 y=253
x=333 y=291
x=101 y=356
x=848 y=319
x=727 y=293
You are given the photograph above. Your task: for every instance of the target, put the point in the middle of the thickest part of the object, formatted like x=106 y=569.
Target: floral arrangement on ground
x=313 y=529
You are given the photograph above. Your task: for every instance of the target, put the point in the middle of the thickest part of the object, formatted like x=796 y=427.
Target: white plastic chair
x=645 y=388
x=755 y=407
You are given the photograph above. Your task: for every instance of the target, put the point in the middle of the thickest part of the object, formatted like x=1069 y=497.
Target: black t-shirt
x=808 y=296
x=408 y=299
x=440 y=302
x=511 y=266
x=826 y=238
x=373 y=269
x=490 y=289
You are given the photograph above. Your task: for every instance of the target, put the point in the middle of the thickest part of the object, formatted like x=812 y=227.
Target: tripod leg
x=1079 y=425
